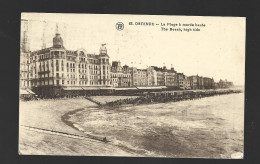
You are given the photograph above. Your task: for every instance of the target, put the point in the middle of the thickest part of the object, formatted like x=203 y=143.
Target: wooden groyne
x=170 y=96
x=90 y=99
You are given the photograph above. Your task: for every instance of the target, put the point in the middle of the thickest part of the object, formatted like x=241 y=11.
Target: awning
x=106 y=88
x=123 y=89
x=24 y=92
x=149 y=87
x=30 y=91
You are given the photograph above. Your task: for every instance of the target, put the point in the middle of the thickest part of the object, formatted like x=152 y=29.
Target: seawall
x=167 y=96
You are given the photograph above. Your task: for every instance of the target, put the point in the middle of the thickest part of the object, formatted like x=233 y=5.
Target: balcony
x=43 y=72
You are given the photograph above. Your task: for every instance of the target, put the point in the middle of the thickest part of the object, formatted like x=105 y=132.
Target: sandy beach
x=46 y=114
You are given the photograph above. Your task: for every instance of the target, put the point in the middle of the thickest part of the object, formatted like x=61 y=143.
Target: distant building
x=208 y=83
x=160 y=76
x=142 y=77
x=187 y=82
x=24 y=57
x=181 y=80
x=216 y=85
x=171 y=78
x=24 y=70
x=200 y=82
x=197 y=82
x=151 y=77
x=120 y=76
x=193 y=82
x=225 y=84
x=134 y=76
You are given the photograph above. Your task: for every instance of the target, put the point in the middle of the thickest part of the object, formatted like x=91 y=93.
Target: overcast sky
x=217 y=50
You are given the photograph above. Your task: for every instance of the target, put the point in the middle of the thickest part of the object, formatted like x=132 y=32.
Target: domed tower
x=103 y=49
x=57 y=40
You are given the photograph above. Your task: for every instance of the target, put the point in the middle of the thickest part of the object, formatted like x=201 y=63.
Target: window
x=62 y=82
x=57 y=74
x=57 y=81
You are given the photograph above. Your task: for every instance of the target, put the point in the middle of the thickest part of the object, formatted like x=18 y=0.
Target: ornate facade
x=57 y=66
x=120 y=76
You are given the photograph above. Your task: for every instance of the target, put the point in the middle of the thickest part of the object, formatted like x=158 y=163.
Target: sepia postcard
x=132 y=85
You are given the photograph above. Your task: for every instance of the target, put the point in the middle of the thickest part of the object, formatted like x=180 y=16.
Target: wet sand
x=46 y=114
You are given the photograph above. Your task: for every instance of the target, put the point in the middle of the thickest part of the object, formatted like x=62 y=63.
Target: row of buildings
x=56 y=66
x=125 y=76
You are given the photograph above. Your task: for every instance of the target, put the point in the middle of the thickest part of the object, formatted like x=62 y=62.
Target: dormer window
x=81 y=53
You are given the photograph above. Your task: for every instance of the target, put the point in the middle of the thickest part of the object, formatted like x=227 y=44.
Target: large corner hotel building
x=56 y=67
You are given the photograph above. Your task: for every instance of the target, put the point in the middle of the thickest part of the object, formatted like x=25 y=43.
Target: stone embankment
x=170 y=96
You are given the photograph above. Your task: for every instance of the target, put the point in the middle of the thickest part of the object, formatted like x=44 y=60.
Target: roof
x=42 y=51
x=103 y=55
x=92 y=55
x=71 y=52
